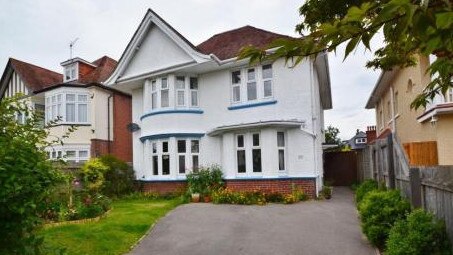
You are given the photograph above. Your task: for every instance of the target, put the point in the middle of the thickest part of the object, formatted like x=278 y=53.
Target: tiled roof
x=228 y=44
x=105 y=67
x=35 y=77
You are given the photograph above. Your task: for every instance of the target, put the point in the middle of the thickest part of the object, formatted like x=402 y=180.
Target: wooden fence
x=430 y=188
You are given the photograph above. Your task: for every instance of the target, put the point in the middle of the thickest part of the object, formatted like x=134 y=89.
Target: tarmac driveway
x=313 y=227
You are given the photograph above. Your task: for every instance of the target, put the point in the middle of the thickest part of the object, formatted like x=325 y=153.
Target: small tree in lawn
x=26 y=176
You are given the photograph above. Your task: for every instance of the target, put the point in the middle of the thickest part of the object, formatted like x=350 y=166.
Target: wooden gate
x=340 y=167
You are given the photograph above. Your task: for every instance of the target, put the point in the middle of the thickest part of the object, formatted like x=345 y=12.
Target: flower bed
x=226 y=196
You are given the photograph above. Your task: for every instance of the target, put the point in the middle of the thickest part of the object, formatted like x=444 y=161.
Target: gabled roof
x=381 y=86
x=34 y=77
x=228 y=44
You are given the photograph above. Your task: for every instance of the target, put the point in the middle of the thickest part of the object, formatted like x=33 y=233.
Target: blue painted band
x=243 y=106
x=192 y=111
x=168 y=135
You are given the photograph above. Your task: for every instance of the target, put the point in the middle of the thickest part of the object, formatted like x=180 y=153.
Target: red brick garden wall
x=164 y=187
x=283 y=186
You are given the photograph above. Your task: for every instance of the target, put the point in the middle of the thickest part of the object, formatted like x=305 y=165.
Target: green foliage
x=226 y=196
x=379 y=210
x=119 y=177
x=419 y=234
x=26 y=176
x=205 y=181
x=364 y=188
x=92 y=174
x=409 y=28
x=331 y=135
x=326 y=192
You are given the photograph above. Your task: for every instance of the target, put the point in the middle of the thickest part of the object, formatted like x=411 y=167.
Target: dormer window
x=70 y=72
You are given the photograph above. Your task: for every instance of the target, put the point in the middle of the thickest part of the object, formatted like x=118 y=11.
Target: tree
x=410 y=27
x=331 y=135
x=26 y=176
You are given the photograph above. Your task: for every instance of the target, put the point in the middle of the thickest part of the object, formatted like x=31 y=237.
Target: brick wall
x=164 y=187
x=283 y=186
x=122 y=116
x=99 y=147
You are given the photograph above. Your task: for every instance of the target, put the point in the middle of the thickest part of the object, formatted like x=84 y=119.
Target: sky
x=39 y=32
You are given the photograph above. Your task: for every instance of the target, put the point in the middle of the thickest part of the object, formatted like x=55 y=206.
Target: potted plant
x=195 y=197
x=326 y=192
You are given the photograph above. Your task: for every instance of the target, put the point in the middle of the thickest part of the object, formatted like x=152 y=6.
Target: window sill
x=171 y=111
x=250 y=105
x=71 y=124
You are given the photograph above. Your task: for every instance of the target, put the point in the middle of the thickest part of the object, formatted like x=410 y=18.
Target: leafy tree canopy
x=409 y=27
x=331 y=135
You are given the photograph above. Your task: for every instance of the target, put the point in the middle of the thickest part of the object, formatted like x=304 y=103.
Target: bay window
x=240 y=153
x=183 y=90
x=256 y=152
x=267 y=81
x=248 y=153
x=69 y=107
x=236 y=82
x=251 y=85
x=186 y=155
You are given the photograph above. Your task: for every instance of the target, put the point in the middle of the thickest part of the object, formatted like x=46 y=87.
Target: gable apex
x=150 y=22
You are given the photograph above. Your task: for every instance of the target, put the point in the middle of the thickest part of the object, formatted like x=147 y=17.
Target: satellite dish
x=132 y=127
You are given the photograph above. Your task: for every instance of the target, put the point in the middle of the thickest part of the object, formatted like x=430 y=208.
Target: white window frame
x=184 y=154
x=268 y=79
x=256 y=147
x=243 y=85
x=154 y=153
x=61 y=152
x=243 y=148
x=161 y=89
x=285 y=154
x=194 y=91
x=194 y=153
x=180 y=90
x=73 y=70
x=236 y=85
x=154 y=95
x=167 y=153
x=360 y=140
x=56 y=105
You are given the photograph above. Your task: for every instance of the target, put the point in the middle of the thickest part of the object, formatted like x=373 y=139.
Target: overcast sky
x=39 y=32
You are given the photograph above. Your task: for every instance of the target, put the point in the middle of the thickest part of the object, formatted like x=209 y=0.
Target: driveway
x=313 y=227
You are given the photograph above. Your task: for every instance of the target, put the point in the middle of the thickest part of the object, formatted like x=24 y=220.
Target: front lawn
x=125 y=224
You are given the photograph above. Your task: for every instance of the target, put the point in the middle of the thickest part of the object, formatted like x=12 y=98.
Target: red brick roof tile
x=228 y=44
x=105 y=67
x=35 y=77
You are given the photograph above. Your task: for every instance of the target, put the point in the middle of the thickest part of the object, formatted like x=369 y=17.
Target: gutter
x=108 y=123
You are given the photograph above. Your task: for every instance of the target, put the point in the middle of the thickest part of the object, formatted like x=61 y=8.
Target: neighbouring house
x=195 y=106
x=100 y=113
x=425 y=133
x=358 y=141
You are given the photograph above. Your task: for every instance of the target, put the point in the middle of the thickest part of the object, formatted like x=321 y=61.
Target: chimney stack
x=370 y=134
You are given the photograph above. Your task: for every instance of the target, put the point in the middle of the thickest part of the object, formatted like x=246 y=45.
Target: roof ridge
x=27 y=63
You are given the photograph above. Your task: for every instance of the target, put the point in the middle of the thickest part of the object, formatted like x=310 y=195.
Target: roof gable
x=34 y=77
x=152 y=28
x=228 y=44
x=157 y=51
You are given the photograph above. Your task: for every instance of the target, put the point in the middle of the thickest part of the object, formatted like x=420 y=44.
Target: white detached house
x=198 y=105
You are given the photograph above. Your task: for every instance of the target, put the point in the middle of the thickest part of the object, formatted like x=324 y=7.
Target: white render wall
x=297 y=94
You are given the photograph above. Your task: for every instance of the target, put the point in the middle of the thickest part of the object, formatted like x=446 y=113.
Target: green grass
x=125 y=224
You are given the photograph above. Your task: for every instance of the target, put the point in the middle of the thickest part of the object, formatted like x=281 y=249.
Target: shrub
x=274 y=197
x=379 y=210
x=290 y=199
x=419 y=234
x=205 y=181
x=326 y=192
x=226 y=196
x=92 y=174
x=26 y=176
x=118 y=178
x=364 y=188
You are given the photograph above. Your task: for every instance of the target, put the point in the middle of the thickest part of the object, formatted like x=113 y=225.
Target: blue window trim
x=192 y=111
x=250 y=105
x=168 y=135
